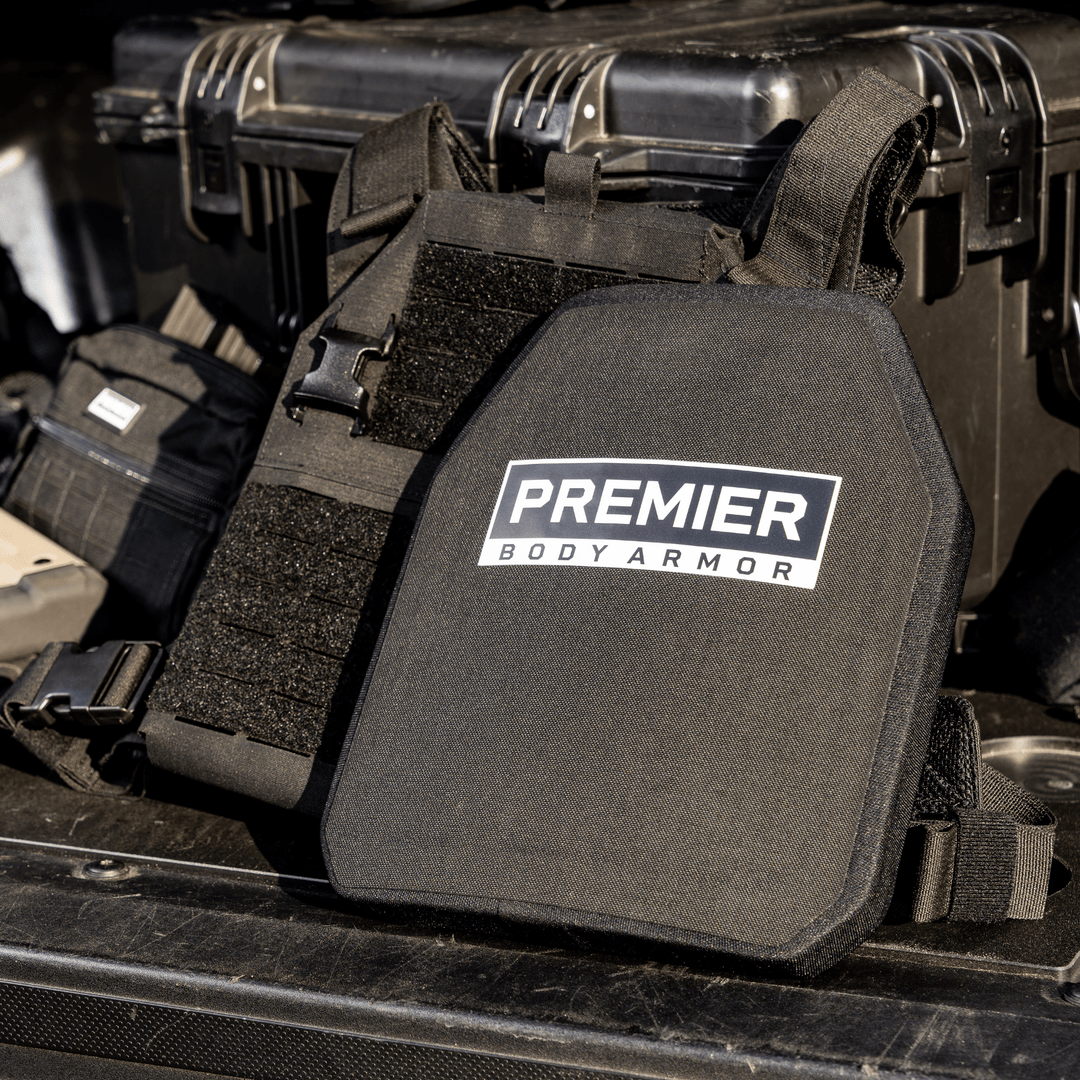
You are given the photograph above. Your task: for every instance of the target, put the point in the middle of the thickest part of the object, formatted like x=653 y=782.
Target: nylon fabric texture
x=643 y=752
x=836 y=199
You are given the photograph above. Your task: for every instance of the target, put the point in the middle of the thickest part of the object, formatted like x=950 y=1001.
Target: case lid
x=681 y=98
x=664 y=654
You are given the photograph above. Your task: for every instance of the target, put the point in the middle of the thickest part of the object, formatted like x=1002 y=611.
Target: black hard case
x=230 y=134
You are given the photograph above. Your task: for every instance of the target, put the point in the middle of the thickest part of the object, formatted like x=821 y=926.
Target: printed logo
x=116 y=410
x=674 y=516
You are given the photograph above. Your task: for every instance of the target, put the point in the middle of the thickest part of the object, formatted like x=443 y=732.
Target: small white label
x=116 y=410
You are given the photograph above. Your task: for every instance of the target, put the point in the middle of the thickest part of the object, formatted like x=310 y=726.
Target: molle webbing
x=279 y=635
x=467 y=315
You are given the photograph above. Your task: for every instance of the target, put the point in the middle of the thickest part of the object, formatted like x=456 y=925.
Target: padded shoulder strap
x=385 y=175
x=827 y=215
x=987 y=845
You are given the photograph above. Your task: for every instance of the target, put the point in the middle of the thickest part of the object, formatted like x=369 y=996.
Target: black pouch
x=280 y=634
x=668 y=667
x=133 y=467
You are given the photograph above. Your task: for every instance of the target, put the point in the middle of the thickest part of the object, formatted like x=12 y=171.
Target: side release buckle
x=96 y=687
x=335 y=383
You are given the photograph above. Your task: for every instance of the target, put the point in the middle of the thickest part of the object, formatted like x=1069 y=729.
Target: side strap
x=384 y=177
x=65 y=708
x=987 y=845
x=828 y=213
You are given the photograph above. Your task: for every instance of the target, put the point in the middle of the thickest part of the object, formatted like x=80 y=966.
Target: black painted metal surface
x=219 y=930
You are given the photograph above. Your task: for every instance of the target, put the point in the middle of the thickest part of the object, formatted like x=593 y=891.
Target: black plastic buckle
x=78 y=682
x=334 y=384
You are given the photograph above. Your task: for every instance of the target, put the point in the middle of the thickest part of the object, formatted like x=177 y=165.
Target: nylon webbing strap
x=571 y=184
x=987 y=850
x=385 y=175
x=828 y=213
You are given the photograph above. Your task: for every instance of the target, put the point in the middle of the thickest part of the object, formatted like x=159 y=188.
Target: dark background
x=62 y=33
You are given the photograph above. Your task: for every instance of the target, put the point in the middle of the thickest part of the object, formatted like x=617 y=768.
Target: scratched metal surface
x=223 y=912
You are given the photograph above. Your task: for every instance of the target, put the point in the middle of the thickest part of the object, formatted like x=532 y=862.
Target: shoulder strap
x=986 y=844
x=384 y=177
x=827 y=215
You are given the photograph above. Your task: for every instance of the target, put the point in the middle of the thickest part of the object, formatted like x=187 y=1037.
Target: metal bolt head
x=106 y=869
x=1007 y=138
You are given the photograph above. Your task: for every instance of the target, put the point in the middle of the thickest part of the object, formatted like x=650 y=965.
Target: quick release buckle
x=334 y=383
x=97 y=687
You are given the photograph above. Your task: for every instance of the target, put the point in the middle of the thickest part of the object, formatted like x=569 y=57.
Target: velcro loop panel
x=571 y=184
x=278 y=635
